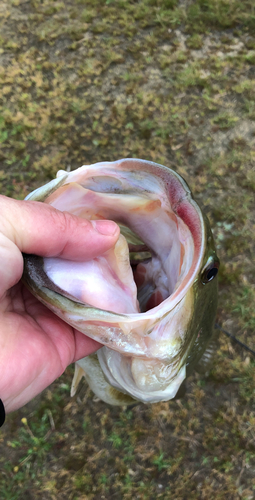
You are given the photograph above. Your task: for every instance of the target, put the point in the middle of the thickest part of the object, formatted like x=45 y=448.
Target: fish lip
x=41 y=193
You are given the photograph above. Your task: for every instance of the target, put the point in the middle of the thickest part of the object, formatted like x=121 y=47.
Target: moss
x=195 y=41
x=172 y=82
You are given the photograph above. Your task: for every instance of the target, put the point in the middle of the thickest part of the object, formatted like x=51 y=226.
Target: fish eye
x=210 y=270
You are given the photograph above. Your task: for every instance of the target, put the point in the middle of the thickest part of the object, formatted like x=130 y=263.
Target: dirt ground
x=173 y=82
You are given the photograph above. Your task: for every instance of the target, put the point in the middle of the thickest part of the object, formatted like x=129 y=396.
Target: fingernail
x=105 y=227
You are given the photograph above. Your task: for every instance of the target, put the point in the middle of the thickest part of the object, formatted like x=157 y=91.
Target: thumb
x=37 y=228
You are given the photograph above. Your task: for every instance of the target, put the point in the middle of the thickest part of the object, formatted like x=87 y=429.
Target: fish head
x=151 y=300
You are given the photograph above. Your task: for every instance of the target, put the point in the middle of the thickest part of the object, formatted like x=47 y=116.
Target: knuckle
x=60 y=220
x=67 y=223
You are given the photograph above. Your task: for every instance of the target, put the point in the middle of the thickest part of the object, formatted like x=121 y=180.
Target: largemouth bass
x=151 y=300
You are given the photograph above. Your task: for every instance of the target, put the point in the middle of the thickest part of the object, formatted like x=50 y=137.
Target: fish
x=151 y=300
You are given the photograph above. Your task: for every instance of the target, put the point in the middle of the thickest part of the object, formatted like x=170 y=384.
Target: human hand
x=35 y=345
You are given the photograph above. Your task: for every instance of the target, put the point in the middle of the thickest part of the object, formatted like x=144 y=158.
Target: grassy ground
x=173 y=82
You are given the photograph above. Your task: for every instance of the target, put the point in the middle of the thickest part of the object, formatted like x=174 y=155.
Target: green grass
x=172 y=82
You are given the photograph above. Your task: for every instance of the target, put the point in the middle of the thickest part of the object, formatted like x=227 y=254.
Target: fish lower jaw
x=148 y=381
x=152 y=375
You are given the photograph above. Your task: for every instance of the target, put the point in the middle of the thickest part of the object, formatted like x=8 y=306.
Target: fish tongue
x=105 y=282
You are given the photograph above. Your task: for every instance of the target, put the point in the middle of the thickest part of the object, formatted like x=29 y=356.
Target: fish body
x=151 y=300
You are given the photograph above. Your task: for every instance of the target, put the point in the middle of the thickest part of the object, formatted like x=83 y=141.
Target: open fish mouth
x=146 y=298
